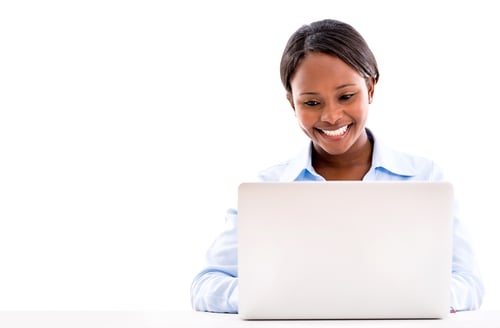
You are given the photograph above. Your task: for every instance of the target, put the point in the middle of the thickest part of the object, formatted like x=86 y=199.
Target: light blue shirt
x=215 y=288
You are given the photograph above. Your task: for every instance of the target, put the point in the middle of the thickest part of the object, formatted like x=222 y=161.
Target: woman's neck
x=351 y=165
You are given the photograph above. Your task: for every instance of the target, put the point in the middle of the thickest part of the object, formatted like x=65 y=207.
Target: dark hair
x=331 y=37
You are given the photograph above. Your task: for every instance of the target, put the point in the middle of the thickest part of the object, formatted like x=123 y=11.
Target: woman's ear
x=371 y=89
x=289 y=97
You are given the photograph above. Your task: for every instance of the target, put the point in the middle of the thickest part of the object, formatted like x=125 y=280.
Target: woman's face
x=331 y=102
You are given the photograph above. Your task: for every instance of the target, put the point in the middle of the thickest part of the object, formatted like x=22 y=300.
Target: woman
x=330 y=74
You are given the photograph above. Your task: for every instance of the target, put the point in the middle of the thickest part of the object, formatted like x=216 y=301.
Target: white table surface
x=181 y=319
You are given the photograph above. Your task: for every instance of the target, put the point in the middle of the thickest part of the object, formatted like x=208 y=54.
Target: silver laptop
x=344 y=250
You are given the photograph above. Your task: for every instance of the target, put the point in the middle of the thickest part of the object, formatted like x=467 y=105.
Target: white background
x=125 y=127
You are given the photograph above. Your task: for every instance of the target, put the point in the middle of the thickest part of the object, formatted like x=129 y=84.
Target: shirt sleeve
x=467 y=290
x=215 y=288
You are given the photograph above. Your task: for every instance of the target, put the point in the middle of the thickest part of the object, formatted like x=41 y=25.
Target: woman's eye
x=311 y=103
x=347 y=96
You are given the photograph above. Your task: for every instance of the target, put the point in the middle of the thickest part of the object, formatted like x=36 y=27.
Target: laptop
x=344 y=250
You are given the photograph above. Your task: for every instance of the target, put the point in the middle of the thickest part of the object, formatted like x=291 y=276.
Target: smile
x=336 y=133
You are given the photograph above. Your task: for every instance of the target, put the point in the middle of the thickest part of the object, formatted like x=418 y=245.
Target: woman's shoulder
x=288 y=169
x=274 y=172
x=405 y=163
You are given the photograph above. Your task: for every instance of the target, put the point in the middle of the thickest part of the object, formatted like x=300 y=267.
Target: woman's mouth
x=337 y=132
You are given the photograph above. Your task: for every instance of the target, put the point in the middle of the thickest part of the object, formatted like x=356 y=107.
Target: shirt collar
x=299 y=166
x=383 y=158
x=391 y=160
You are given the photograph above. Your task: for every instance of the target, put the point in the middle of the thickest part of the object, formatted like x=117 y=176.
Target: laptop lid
x=344 y=249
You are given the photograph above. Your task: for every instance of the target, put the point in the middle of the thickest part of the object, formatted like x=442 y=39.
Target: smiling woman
x=329 y=74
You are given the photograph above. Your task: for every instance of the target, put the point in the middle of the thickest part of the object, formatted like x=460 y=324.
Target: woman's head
x=330 y=37
x=329 y=74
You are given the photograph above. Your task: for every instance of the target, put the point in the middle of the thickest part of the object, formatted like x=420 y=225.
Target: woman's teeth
x=335 y=133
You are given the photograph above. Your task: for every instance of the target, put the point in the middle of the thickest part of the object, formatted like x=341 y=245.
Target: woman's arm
x=215 y=288
x=467 y=290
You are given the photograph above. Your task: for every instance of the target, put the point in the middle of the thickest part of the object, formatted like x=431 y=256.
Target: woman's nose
x=331 y=112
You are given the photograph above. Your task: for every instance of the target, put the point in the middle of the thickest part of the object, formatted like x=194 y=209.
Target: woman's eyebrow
x=337 y=88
